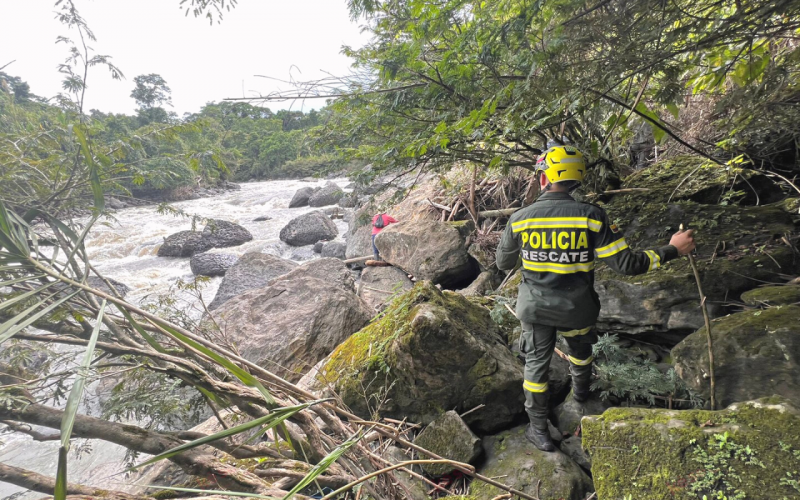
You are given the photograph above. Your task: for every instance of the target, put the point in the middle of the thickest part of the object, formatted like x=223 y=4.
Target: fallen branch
x=707 y=320
x=43 y=484
x=505 y=212
x=438 y=205
x=358 y=259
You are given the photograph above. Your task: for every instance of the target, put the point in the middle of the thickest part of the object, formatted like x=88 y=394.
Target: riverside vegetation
x=688 y=113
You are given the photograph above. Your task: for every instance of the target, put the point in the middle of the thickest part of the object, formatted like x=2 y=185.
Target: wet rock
x=428 y=250
x=252 y=270
x=99 y=284
x=380 y=284
x=115 y=204
x=755 y=353
x=334 y=249
x=183 y=244
x=653 y=453
x=523 y=467
x=568 y=414
x=318 y=246
x=772 y=296
x=292 y=324
x=211 y=264
x=262 y=218
x=301 y=196
x=330 y=194
x=308 y=229
x=449 y=437
x=222 y=234
x=430 y=351
x=327 y=269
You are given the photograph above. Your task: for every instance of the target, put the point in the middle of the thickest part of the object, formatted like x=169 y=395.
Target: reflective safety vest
x=557 y=239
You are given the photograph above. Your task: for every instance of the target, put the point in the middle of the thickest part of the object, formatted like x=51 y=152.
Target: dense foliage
x=489 y=82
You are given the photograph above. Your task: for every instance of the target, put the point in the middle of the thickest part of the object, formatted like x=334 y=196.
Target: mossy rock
x=772 y=296
x=671 y=455
x=697 y=179
x=430 y=351
x=790 y=206
x=517 y=463
x=449 y=437
x=755 y=353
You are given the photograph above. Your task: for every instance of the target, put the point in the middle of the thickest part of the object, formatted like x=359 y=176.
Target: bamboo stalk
x=707 y=320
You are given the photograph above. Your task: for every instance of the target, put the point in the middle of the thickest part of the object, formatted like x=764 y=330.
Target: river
x=124 y=248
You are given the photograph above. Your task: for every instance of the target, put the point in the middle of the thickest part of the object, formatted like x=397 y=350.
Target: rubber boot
x=540 y=438
x=581 y=381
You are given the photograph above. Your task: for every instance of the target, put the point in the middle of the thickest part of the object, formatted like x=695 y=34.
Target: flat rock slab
x=772 y=296
x=659 y=454
x=449 y=437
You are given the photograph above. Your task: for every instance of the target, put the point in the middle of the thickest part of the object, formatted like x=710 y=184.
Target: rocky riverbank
x=443 y=348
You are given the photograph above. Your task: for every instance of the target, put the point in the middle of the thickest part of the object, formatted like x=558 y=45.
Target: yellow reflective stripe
x=557 y=223
x=581 y=362
x=612 y=249
x=552 y=267
x=655 y=260
x=534 y=387
x=576 y=333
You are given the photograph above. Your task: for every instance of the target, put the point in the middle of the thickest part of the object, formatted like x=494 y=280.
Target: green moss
x=649 y=453
x=772 y=295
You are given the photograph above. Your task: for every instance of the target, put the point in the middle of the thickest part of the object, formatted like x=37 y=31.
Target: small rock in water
x=262 y=218
x=211 y=264
x=308 y=229
x=334 y=249
x=221 y=233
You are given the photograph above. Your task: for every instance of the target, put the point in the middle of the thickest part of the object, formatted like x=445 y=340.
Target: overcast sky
x=201 y=63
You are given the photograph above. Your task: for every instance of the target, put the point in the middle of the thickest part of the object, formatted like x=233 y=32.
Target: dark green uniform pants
x=537 y=344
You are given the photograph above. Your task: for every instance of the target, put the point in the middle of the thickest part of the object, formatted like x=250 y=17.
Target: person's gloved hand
x=683 y=241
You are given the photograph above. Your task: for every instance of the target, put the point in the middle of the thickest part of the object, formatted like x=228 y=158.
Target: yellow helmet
x=562 y=163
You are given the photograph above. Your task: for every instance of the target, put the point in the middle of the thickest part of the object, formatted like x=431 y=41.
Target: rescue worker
x=379 y=221
x=558 y=240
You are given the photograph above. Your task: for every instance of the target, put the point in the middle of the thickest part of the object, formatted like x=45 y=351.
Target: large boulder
x=327 y=269
x=183 y=244
x=292 y=324
x=334 y=249
x=252 y=270
x=301 y=196
x=749 y=450
x=380 y=284
x=308 y=229
x=328 y=195
x=211 y=264
x=429 y=250
x=430 y=352
x=449 y=437
x=221 y=234
x=755 y=353
x=513 y=459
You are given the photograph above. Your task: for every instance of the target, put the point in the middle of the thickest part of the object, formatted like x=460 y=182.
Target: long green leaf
x=19 y=298
x=241 y=374
x=146 y=336
x=211 y=492
x=12 y=326
x=94 y=177
x=71 y=410
x=273 y=419
x=324 y=464
x=20 y=280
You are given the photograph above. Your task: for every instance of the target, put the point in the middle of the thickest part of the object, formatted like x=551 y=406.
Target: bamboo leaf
x=19 y=298
x=141 y=331
x=94 y=177
x=71 y=410
x=324 y=464
x=276 y=417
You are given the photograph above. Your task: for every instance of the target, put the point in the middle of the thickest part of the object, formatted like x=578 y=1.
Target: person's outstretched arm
x=612 y=248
